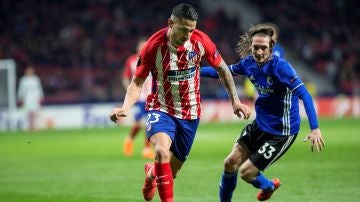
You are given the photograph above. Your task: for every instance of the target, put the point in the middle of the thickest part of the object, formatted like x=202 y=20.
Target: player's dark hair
x=267 y=29
x=185 y=10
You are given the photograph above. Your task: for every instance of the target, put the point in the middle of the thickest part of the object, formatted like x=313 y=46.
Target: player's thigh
x=160 y=129
x=160 y=140
x=158 y=122
x=161 y=143
x=237 y=156
x=184 y=138
x=241 y=149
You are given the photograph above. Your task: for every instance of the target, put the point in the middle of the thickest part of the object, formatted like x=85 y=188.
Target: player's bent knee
x=231 y=164
x=162 y=154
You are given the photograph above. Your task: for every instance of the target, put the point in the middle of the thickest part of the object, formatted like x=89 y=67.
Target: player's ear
x=271 y=45
x=170 y=22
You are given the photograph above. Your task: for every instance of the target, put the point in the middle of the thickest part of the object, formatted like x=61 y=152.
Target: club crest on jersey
x=148 y=127
x=192 y=56
x=269 y=80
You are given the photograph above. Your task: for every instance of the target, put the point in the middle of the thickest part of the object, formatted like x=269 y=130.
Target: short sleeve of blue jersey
x=287 y=75
x=238 y=69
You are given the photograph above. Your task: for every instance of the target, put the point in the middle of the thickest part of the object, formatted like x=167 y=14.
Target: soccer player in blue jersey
x=249 y=89
x=277 y=121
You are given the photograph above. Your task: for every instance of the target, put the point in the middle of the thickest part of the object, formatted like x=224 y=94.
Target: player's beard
x=179 y=42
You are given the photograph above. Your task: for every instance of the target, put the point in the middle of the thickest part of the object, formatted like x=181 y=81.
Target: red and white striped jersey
x=128 y=72
x=176 y=72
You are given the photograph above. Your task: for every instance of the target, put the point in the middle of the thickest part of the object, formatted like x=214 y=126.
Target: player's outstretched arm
x=208 y=71
x=314 y=136
x=132 y=95
x=227 y=81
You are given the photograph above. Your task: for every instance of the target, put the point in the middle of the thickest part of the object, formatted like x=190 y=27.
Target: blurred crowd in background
x=324 y=33
x=78 y=47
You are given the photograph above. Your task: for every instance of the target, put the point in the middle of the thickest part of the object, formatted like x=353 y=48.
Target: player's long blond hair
x=244 y=44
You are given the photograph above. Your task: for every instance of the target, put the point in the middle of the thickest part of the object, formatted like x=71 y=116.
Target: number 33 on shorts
x=266 y=150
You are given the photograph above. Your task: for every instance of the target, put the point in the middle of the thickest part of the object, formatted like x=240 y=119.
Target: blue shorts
x=182 y=132
x=139 y=110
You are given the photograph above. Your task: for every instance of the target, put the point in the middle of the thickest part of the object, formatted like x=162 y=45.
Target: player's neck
x=171 y=42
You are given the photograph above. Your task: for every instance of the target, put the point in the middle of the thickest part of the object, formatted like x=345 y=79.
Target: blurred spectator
x=30 y=96
x=139 y=107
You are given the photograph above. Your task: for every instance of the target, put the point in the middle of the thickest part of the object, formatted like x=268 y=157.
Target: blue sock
x=261 y=182
x=227 y=185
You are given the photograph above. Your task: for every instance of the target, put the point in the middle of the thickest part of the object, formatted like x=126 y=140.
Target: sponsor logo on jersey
x=263 y=89
x=181 y=75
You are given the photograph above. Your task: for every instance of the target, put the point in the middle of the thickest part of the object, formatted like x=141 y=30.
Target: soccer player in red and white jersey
x=139 y=107
x=172 y=56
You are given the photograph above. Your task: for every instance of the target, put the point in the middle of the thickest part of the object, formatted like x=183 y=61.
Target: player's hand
x=316 y=140
x=241 y=110
x=117 y=113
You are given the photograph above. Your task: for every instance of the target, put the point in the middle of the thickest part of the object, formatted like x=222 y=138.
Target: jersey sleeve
x=238 y=69
x=212 y=55
x=287 y=75
x=146 y=61
x=305 y=96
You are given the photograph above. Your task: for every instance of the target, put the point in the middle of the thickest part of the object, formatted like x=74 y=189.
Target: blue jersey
x=276 y=107
x=279 y=88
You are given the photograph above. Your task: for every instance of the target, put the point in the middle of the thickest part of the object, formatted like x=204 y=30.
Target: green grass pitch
x=88 y=165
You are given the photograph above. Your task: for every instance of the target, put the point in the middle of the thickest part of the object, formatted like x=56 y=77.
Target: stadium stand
x=79 y=47
x=324 y=34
